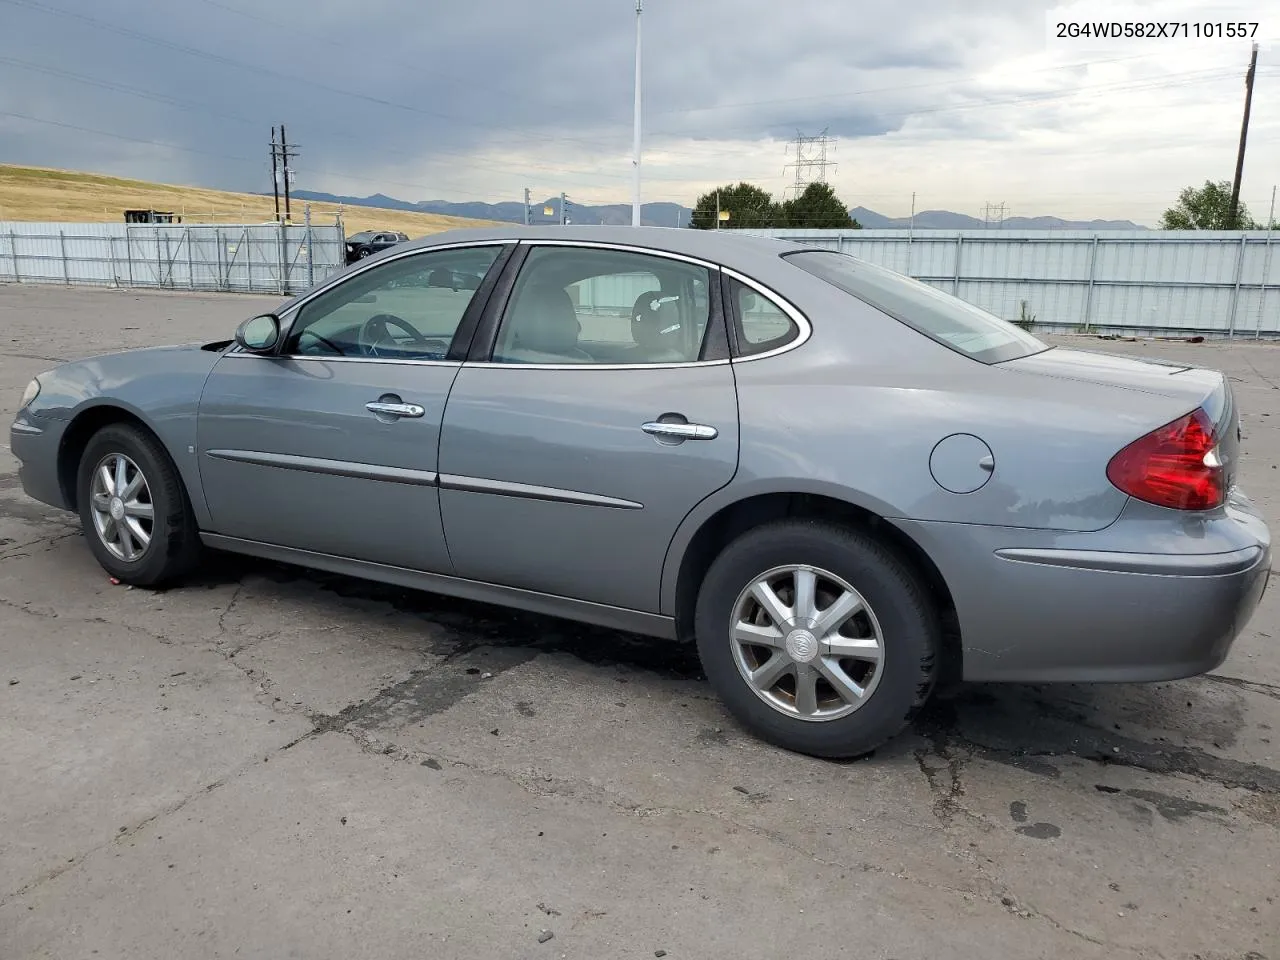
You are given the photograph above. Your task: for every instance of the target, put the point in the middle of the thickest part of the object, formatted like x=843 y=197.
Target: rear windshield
x=949 y=320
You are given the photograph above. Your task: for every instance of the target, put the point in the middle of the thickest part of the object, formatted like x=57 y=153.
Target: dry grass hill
x=43 y=194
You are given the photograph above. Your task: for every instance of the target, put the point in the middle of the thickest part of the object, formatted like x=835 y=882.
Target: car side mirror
x=259 y=334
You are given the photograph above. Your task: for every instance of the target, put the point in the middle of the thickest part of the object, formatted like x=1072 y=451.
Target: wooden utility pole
x=284 y=157
x=275 y=176
x=1234 y=213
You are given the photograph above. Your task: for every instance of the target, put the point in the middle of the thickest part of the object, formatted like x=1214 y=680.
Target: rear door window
x=953 y=322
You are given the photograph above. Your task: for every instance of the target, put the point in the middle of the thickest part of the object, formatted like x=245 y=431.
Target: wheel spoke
x=774 y=669
x=854 y=648
x=773 y=605
x=806 y=603
x=101 y=502
x=126 y=542
x=833 y=617
x=105 y=526
x=137 y=508
x=106 y=480
x=756 y=635
x=122 y=476
x=841 y=682
x=131 y=491
x=806 y=689
x=137 y=534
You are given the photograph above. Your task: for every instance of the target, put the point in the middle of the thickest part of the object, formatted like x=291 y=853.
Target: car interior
x=565 y=312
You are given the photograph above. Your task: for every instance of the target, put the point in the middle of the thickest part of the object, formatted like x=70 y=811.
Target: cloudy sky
x=962 y=102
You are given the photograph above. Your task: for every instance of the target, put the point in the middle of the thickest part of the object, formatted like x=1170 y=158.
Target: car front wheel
x=134 y=508
x=817 y=637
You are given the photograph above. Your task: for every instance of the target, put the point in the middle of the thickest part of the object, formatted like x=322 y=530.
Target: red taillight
x=1175 y=466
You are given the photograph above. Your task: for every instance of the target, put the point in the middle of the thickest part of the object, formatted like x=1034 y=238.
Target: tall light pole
x=635 y=145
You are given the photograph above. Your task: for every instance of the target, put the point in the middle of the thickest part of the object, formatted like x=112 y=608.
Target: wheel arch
x=709 y=529
x=86 y=422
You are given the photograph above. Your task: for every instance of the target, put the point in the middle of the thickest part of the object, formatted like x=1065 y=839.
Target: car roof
x=727 y=247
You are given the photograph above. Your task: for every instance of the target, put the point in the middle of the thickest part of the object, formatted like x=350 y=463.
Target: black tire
x=908 y=622
x=174 y=548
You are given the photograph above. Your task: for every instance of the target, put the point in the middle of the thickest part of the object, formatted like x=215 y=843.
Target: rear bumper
x=1104 y=606
x=35 y=442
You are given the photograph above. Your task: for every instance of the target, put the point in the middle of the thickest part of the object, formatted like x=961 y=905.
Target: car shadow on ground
x=1184 y=727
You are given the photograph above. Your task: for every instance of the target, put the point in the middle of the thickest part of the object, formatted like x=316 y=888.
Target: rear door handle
x=387 y=409
x=680 y=431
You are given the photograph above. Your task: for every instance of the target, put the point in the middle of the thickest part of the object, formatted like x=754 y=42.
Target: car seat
x=544 y=328
x=655 y=327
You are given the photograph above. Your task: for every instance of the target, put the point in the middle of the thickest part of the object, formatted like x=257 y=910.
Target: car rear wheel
x=134 y=508
x=817 y=638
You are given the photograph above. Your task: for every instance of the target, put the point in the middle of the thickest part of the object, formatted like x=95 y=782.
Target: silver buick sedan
x=840 y=483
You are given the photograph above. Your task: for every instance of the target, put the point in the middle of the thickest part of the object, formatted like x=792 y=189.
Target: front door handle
x=680 y=431
x=384 y=408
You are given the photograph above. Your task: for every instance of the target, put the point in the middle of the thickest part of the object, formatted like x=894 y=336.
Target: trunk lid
x=1187 y=387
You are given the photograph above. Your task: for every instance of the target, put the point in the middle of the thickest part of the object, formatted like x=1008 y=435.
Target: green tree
x=1206 y=208
x=818 y=208
x=748 y=207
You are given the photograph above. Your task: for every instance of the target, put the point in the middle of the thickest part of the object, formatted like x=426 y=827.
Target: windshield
x=949 y=320
x=362 y=235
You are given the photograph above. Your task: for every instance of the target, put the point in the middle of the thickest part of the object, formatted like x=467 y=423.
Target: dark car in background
x=368 y=242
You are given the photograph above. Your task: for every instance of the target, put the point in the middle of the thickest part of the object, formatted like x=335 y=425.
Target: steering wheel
x=307 y=332
x=375 y=335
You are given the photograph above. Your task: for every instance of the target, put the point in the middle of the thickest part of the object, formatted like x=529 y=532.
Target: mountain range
x=675 y=215
x=946 y=220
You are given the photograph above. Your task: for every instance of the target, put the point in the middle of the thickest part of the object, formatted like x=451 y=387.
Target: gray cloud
x=422 y=99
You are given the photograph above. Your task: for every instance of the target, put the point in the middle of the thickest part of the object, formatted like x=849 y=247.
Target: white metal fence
x=245 y=258
x=1143 y=283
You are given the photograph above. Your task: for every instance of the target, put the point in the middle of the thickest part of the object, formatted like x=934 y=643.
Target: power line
x=213 y=111
x=293 y=78
x=119 y=136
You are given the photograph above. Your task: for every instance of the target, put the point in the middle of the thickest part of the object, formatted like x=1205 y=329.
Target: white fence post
x=66 y=267
x=1088 y=293
x=1262 y=286
x=13 y=251
x=959 y=248
x=311 y=269
x=1235 y=291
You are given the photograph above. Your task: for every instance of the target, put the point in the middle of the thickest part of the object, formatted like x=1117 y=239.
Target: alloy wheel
x=807 y=643
x=123 y=512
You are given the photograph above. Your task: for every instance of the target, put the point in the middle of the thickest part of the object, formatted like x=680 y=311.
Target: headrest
x=546 y=321
x=653 y=318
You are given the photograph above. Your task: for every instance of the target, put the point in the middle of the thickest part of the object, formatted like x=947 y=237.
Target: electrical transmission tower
x=811 y=161
x=993 y=212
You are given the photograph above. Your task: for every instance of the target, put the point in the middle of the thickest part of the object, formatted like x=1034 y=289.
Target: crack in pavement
x=32 y=356
x=46 y=615
x=127 y=832
x=1252 y=686
x=1071 y=738
x=548 y=786
x=13 y=551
